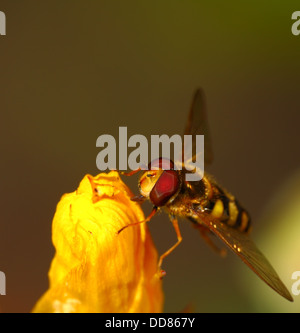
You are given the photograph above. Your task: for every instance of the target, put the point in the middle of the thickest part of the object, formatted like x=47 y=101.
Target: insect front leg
x=153 y=212
x=174 y=221
x=133 y=172
x=130 y=173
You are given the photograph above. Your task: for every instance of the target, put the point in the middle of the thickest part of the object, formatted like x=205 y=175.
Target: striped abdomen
x=224 y=206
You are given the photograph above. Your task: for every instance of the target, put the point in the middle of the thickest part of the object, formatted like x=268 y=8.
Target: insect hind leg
x=205 y=234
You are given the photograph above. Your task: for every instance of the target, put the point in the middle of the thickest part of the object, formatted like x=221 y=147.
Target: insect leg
x=204 y=232
x=132 y=172
x=138 y=198
x=179 y=239
x=153 y=212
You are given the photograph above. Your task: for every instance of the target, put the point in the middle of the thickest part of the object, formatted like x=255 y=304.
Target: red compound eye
x=165 y=187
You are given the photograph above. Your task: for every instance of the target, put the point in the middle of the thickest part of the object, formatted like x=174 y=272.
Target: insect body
x=209 y=207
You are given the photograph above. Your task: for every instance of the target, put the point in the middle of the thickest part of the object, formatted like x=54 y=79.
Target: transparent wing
x=242 y=245
x=197 y=124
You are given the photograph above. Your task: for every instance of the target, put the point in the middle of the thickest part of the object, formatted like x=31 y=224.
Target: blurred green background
x=73 y=70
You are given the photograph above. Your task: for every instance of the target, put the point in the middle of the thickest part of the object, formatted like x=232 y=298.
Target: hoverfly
x=206 y=204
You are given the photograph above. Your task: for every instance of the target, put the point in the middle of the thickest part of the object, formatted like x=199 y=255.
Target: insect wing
x=242 y=245
x=197 y=124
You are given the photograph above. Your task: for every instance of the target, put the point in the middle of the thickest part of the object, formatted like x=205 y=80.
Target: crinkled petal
x=95 y=269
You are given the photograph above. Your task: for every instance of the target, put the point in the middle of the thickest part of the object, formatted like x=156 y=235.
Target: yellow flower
x=95 y=269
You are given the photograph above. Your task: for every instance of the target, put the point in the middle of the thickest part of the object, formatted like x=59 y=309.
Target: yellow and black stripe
x=225 y=207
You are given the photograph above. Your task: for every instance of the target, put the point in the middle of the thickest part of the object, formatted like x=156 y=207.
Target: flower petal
x=95 y=269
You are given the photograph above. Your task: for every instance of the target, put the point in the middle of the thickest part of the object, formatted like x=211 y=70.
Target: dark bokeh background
x=73 y=70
